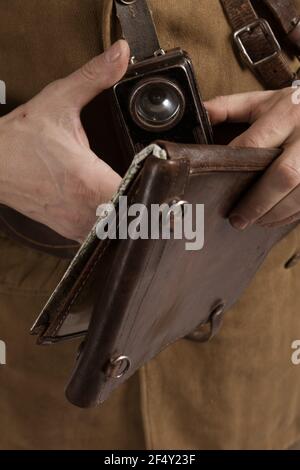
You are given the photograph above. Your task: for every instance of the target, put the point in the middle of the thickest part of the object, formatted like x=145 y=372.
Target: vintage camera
x=159 y=99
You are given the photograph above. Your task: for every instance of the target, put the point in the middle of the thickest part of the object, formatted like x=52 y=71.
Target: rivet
x=159 y=52
x=218 y=310
x=117 y=367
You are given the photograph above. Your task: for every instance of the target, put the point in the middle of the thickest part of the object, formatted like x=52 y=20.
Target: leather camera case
x=143 y=295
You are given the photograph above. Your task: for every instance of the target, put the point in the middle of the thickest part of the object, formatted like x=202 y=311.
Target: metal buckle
x=267 y=30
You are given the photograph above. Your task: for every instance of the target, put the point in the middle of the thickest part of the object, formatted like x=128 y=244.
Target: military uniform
x=241 y=391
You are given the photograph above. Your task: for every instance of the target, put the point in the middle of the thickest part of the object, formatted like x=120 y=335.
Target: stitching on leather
x=186 y=163
x=235 y=168
x=85 y=278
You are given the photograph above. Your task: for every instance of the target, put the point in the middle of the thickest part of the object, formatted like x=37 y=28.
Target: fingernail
x=238 y=222
x=114 y=52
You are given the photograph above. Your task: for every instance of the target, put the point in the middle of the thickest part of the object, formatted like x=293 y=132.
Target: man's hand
x=275 y=122
x=47 y=170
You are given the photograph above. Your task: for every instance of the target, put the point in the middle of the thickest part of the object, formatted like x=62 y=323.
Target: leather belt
x=137 y=27
x=256 y=40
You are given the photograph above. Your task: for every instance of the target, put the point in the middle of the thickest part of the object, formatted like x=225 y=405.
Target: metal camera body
x=159 y=99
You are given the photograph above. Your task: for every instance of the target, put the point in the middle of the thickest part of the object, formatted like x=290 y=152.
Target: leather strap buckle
x=270 y=36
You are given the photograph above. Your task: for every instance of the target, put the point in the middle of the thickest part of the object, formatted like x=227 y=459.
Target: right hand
x=47 y=169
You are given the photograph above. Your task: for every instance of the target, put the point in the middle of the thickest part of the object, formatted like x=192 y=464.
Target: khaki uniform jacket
x=241 y=391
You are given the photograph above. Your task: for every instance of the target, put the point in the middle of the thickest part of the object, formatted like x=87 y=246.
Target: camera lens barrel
x=157 y=104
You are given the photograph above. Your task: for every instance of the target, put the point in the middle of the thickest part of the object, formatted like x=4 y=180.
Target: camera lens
x=157 y=104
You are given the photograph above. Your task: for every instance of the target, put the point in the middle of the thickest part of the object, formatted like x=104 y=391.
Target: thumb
x=101 y=73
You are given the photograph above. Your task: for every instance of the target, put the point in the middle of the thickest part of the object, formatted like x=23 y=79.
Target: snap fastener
x=293 y=261
x=118 y=367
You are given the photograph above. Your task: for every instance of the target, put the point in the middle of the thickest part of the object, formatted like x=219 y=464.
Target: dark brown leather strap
x=258 y=45
x=288 y=16
x=138 y=27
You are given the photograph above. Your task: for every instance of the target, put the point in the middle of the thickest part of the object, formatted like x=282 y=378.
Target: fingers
x=272 y=128
x=276 y=184
x=286 y=212
x=272 y=115
x=237 y=108
x=101 y=73
x=275 y=199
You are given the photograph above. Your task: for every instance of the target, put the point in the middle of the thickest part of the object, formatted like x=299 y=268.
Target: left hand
x=275 y=122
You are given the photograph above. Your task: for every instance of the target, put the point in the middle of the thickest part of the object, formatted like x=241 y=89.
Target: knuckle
x=221 y=101
x=287 y=106
x=53 y=87
x=284 y=96
x=90 y=70
x=294 y=112
x=289 y=174
x=52 y=92
x=256 y=210
x=285 y=92
x=250 y=140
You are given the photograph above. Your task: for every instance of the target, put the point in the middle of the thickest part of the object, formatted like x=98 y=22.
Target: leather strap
x=257 y=43
x=138 y=27
x=288 y=16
